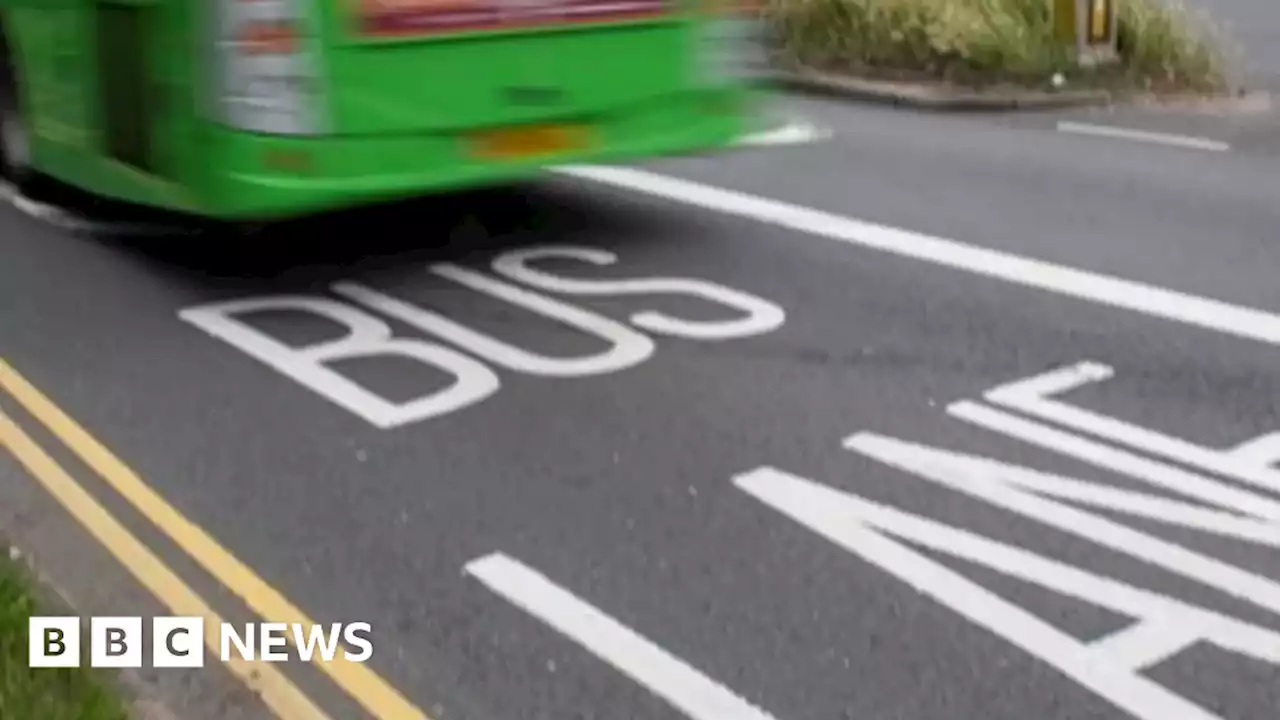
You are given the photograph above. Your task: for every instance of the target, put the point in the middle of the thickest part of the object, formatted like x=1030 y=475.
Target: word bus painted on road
x=179 y=642
x=472 y=367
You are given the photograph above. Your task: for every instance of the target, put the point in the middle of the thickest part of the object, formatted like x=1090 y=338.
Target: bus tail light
x=266 y=67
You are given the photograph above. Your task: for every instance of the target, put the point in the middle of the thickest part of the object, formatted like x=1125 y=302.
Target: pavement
x=730 y=437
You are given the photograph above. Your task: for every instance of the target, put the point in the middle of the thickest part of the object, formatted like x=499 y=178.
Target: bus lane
x=534 y=465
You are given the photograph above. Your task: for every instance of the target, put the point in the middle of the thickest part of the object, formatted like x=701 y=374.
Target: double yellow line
x=284 y=698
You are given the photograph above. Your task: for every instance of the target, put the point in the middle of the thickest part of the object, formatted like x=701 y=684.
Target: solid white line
x=1095 y=287
x=1157 y=138
x=667 y=676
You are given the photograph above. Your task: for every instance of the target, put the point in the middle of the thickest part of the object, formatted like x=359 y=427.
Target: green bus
x=250 y=110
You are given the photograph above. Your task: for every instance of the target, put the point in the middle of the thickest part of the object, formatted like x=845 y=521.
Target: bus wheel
x=15 y=142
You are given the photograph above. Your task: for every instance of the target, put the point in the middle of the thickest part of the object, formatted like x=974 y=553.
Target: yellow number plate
x=526 y=142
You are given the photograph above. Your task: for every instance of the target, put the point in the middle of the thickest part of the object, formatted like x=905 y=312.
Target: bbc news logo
x=179 y=642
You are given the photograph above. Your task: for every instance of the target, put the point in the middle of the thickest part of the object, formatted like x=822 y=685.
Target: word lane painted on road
x=1162 y=626
x=471 y=355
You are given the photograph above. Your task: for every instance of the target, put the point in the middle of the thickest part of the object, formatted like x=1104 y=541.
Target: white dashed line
x=1118 y=133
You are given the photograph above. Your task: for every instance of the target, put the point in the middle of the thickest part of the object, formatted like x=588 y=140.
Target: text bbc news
x=179 y=642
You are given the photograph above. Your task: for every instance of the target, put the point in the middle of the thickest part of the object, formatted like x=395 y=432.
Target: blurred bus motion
x=261 y=109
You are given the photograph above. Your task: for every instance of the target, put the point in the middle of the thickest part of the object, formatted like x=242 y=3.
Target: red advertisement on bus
x=418 y=17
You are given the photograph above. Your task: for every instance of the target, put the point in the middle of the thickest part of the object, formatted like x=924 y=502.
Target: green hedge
x=1162 y=46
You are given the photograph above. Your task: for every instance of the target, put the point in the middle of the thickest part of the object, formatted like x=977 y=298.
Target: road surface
x=1253 y=29
x=922 y=417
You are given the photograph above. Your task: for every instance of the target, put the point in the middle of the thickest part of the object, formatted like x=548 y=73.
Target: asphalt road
x=1253 y=30
x=730 y=461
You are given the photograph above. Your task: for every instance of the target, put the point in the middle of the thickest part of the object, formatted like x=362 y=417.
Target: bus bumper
x=265 y=177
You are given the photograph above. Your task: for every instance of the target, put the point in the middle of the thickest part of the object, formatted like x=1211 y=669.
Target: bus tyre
x=14 y=136
x=15 y=142
x=14 y=146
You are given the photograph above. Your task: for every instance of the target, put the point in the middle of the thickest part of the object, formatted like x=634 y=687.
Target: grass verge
x=42 y=693
x=1162 y=46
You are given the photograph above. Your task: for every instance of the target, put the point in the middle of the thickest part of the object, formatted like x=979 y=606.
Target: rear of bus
x=325 y=103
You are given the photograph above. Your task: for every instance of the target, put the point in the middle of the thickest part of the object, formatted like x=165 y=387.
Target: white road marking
x=872 y=531
x=758 y=316
x=1116 y=500
x=626 y=348
x=669 y=677
x=41 y=211
x=1157 y=138
x=1143 y=645
x=1033 y=495
x=1183 y=482
x=64 y=219
x=1261 y=451
x=1162 y=627
x=1248 y=463
x=1095 y=287
x=368 y=336
x=795 y=132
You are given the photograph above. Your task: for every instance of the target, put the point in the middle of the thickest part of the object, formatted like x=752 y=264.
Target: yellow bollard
x=1099 y=22
x=1087 y=26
